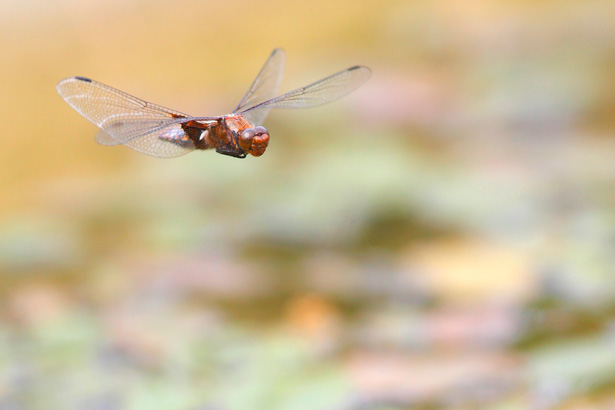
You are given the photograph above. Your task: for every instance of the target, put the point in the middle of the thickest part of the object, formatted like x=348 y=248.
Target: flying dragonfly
x=162 y=132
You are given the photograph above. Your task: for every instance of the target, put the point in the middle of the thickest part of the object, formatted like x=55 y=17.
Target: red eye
x=246 y=137
x=248 y=134
x=259 y=144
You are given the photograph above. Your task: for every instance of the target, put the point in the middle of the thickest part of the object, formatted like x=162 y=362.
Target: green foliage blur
x=444 y=237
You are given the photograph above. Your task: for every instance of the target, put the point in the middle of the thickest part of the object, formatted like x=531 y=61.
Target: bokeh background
x=442 y=238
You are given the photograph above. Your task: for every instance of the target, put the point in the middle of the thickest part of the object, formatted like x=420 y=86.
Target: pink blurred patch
x=417 y=99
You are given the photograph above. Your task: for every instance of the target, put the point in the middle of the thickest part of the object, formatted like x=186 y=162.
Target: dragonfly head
x=254 y=140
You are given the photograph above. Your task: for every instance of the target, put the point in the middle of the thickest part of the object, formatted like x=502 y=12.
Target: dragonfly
x=163 y=132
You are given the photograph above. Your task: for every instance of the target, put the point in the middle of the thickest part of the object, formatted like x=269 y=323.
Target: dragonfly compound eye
x=259 y=142
x=246 y=137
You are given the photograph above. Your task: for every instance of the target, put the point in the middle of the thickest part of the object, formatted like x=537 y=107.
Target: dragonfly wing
x=167 y=142
x=321 y=92
x=105 y=139
x=265 y=86
x=125 y=119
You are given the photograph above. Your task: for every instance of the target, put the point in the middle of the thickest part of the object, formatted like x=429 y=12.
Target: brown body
x=230 y=135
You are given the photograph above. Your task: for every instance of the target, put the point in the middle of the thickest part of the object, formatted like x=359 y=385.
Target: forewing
x=119 y=114
x=125 y=119
x=321 y=92
x=265 y=86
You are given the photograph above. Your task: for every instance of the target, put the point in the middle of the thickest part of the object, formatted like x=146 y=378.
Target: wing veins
x=320 y=92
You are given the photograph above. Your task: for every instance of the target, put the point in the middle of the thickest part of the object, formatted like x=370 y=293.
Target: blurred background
x=443 y=238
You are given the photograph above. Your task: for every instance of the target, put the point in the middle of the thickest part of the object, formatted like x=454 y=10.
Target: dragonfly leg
x=231 y=152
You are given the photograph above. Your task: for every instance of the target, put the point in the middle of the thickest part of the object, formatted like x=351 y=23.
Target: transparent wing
x=167 y=142
x=265 y=86
x=125 y=119
x=321 y=92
